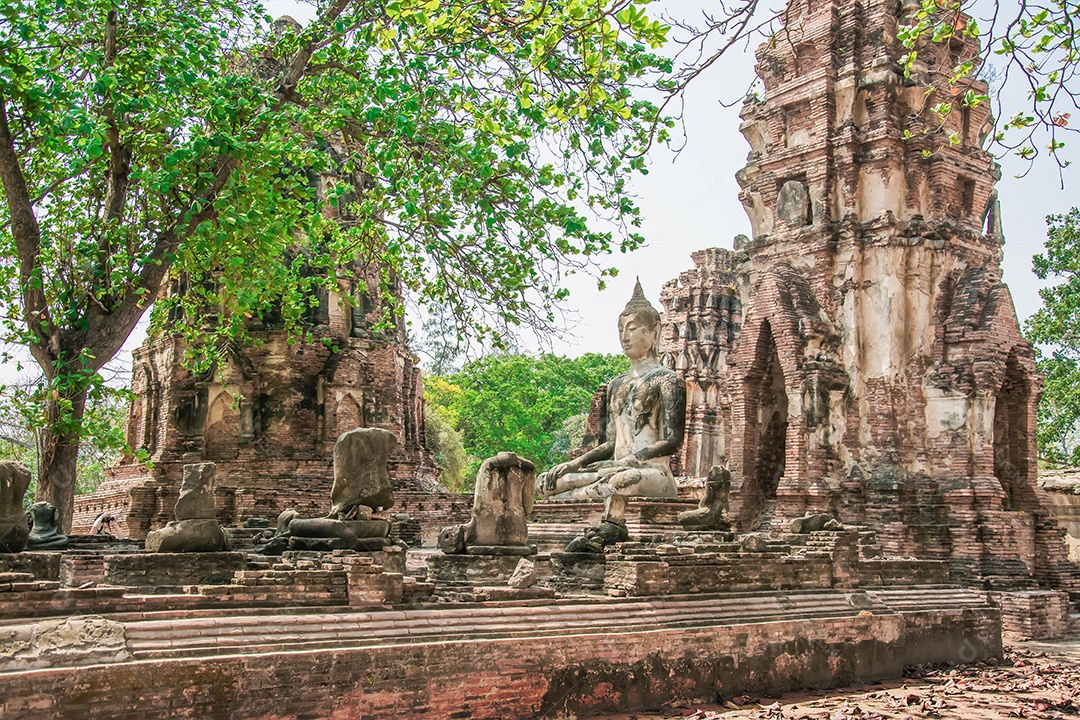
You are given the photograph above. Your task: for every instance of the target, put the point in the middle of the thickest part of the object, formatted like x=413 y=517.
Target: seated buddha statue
x=641 y=426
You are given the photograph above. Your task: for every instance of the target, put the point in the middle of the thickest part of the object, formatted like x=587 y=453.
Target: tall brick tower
x=879 y=371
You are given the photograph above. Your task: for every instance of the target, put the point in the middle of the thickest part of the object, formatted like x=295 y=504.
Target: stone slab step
x=217 y=635
x=365 y=637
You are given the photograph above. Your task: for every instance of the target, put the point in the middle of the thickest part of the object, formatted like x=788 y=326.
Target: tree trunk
x=59 y=462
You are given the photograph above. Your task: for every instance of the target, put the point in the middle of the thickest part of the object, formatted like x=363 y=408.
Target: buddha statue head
x=639 y=327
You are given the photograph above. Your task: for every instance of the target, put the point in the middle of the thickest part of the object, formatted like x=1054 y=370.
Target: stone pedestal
x=330 y=534
x=168 y=572
x=471 y=570
x=554 y=523
x=577 y=573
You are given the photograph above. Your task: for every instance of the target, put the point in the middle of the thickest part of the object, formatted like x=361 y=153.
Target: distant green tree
x=1055 y=329
x=570 y=435
x=103 y=426
x=444 y=441
x=519 y=403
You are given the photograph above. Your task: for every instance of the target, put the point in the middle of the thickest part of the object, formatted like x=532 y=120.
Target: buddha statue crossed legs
x=642 y=423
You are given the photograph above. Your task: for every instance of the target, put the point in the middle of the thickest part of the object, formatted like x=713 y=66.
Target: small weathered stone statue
x=14 y=530
x=503 y=497
x=642 y=426
x=45 y=533
x=711 y=511
x=361 y=487
x=815 y=523
x=196 y=528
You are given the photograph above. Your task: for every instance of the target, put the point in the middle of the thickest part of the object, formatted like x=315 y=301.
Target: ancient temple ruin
x=269 y=419
x=860 y=355
x=858 y=363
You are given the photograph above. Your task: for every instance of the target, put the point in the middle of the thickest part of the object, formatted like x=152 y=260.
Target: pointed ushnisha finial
x=640 y=307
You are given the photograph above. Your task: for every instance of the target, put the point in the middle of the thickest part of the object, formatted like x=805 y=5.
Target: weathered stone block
x=471 y=569
x=172 y=570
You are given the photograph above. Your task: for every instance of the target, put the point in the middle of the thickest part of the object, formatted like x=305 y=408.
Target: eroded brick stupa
x=860 y=355
x=269 y=418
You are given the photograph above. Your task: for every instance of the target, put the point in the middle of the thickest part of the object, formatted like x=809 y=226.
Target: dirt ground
x=1033 y=680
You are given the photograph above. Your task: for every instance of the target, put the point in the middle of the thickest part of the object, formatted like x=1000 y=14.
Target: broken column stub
x=196 y=528
x=14 y=531
x=502 y=498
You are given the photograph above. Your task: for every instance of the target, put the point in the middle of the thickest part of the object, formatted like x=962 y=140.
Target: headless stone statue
x=45 y=533
x=14 y=530
x=196 y=528
x=361 y=482
x=641 y=428
x=503 y=497
x=710 y=512
x=361 y=486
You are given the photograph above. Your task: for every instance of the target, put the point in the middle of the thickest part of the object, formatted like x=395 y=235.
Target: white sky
x=690 y=201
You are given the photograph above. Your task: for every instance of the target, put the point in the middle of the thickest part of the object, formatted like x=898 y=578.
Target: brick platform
x=554 y=523
x=536 y=659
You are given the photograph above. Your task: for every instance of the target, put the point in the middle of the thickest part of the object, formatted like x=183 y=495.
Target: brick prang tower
x=871 y=363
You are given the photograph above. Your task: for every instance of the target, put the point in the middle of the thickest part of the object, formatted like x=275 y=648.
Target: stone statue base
x=703 y=519
x=346 y=530
x=518 y=550
x=358 y=544
x=296 y=533
x=56 y=542
x=187 y=536
x=471 y=570
x=553 y=524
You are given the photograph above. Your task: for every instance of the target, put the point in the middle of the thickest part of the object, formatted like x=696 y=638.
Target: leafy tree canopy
x=519 y=403
x=463 y=147
x=1034 y=46
x=1055 y=329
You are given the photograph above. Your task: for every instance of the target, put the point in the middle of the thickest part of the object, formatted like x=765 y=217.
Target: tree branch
x=27 y=234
